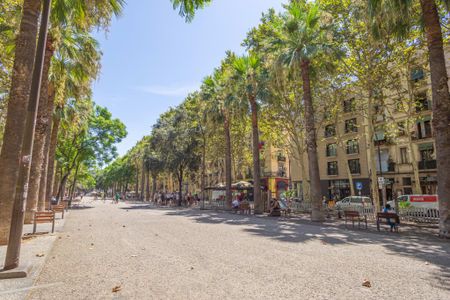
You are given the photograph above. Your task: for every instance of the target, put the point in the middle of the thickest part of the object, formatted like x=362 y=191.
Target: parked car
x=354 y=201
x=420 y=201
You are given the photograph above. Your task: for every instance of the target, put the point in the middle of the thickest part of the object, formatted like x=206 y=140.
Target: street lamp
x=379 y=137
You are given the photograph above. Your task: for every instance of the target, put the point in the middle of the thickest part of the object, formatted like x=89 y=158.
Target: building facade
x=403 y=139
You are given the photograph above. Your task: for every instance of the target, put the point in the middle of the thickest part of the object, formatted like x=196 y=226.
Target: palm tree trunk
x=50 y=186
x=203 y=179
x=441 y=109
x=180 y=186
x=142 y=196
x=147 y=186
x=154 y=186
x=42 y=122
x=311 y=143
x=136 y=188
x=228 y=193
x=259 y=202
x=17 y=106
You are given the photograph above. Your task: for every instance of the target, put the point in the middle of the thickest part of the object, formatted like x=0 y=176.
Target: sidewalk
x=34 y=253
x=413 y=230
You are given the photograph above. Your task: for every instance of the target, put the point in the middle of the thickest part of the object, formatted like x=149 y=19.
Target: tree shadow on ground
x=425 y=247
x=80 y=207
x=151 y=206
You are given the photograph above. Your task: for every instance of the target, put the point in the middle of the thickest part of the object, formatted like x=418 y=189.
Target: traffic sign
x=381 y=182
x=359 y=185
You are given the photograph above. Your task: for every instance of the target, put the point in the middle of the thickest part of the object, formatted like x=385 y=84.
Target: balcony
x=427 y=165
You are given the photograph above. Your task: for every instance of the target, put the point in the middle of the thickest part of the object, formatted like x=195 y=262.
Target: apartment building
x=342 y=153
x=403 y=142
x=275 y=169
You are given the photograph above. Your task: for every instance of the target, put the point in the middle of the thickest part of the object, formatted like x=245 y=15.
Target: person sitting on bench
x=235 y=204
x=389 y=209
x=274 y=208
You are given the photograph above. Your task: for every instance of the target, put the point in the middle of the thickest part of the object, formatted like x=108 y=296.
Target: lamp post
x=15 y=234
x=383 y=185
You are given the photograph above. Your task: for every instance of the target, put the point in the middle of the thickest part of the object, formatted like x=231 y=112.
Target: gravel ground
x=157 y=253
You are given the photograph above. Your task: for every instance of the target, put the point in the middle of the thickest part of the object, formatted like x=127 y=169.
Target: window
x=422 y=102
x=407 y=191
x=404 y=155
x=407 y=181
x=333 y=168
x=354 y=166
x=331 y=150
x=352 y=147
x=426 y=152
x=424 y=129
x=349 y=105
x=417 y=74
x=351 y=126
x=330 y=131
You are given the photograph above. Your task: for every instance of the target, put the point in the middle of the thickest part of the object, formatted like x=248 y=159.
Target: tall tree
x=25 y=50
x=218 y=112
x=397 y=14
x=299 y=41
x=248 y=75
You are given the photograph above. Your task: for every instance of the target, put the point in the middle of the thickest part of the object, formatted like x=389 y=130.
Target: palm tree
x=42 y=123
x=17 y=104
x=397 y=15
x=187 y=8
x=88 y=15
x=248 y=78
x=213 y=91
x=300 y=39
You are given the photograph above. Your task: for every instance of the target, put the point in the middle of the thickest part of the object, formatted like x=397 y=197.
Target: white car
x=352 y=201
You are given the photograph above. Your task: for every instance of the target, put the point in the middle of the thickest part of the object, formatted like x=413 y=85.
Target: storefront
x=275 y=185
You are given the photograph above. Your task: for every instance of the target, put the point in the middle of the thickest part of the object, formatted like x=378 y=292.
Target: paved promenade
x=163 y=253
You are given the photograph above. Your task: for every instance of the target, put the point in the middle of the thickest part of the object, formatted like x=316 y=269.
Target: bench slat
x=44 y=215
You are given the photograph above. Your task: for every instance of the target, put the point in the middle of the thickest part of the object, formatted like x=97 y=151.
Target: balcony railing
x=427 y=165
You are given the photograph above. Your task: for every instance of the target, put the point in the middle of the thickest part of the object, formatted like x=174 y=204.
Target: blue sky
x=152 y=59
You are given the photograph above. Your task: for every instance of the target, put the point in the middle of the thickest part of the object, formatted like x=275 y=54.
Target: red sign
x=424 y=198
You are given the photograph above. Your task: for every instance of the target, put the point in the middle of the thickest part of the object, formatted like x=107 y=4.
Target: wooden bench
x=245 y=208
x=284 y=208
x=59 y=208
x=352 y=215
x=388 y=216
x=44 y=217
